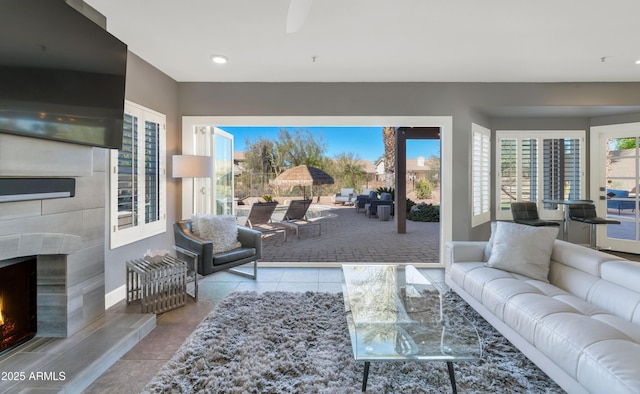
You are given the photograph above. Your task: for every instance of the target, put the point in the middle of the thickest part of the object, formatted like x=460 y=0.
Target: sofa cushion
x=623 y=273
x=610 y=366
x=524 y=250
x=580 y=257
x=616 y=299
x=221 y=230
x=566 y=338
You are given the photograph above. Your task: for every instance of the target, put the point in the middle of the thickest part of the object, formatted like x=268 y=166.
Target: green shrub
x=424 y=189
x=424 y=213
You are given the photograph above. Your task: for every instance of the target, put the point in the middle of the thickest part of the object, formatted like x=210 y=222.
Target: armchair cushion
x=233 y=255
x=221 y=230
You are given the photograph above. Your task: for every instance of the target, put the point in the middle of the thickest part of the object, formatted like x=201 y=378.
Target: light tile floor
x=134 y=370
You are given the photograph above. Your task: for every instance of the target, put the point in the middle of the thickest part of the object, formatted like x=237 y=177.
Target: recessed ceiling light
x=219 y=59
x=637 y=61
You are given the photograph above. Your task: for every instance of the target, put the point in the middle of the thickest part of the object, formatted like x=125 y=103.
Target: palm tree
x=389 y=139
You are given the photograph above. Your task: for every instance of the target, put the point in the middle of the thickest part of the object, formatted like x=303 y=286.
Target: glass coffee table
x=396 y=314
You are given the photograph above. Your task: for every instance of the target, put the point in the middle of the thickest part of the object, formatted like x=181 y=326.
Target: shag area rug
x=280 y=342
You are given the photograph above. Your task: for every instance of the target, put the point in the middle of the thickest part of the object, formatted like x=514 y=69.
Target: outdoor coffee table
x=396 y=314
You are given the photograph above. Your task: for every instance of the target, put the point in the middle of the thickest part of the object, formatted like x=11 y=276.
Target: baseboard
x=115 y=296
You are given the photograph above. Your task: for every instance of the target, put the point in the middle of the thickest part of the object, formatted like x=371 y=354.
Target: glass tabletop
x=396 y=313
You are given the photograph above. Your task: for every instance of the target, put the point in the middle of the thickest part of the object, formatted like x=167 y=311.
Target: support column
x=401 y=181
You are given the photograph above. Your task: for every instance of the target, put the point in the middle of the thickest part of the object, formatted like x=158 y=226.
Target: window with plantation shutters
x=536 y=166
x=138 y=174
x=127 y=197
x=481 y=177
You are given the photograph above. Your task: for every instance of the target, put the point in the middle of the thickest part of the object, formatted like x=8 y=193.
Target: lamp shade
x=185 y=166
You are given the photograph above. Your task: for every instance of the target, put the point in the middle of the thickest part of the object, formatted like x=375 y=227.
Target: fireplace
x=18 y=309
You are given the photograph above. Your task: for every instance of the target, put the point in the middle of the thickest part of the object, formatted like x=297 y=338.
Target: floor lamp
x=188 y=166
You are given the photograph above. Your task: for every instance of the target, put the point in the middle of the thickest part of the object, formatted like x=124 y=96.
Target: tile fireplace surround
x=67 y=234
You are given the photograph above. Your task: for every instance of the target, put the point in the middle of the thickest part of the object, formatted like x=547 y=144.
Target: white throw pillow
x=221 y=230
x=524 y=250
x=489 y=245
x=195 y=224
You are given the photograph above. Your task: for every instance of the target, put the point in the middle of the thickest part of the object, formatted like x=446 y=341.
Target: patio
x=348 y=236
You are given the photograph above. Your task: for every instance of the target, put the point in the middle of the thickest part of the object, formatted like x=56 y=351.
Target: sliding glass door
x=209 y=195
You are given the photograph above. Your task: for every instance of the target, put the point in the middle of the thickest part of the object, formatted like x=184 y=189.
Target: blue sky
x=366 y=142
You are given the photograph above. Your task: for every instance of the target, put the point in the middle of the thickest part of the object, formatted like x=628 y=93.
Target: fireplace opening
x=18 y=292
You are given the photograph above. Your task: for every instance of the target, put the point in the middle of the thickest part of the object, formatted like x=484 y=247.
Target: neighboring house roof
x=368 y=166
x=418 y=164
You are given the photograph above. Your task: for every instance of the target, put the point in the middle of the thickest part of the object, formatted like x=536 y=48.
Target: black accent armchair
x=208 y=262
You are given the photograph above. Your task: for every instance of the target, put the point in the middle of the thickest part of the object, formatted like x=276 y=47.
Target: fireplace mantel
x=35 y=244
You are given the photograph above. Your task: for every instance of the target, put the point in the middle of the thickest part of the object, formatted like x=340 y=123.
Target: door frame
x=598 y=178
x=445 y=123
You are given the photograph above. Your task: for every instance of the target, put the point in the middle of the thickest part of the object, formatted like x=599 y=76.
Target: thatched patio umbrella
x=303 y=176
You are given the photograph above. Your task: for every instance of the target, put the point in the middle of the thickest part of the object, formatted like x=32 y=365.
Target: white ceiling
x=384 y=40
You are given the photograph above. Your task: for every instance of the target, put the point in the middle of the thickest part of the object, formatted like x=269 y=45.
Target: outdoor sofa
x=619 y=204
x=345 y=196
x=580 y=324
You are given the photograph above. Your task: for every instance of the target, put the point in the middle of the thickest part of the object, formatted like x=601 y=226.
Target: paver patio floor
x=352 y=237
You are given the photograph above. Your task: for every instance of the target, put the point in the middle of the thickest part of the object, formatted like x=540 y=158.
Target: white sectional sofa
x=582 y=328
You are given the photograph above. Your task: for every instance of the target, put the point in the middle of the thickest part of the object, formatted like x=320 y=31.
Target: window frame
x=480 y=175
x=140 y=230
x=539 y=135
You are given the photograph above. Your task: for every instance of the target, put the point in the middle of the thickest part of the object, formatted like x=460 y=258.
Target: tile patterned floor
x=134 y=370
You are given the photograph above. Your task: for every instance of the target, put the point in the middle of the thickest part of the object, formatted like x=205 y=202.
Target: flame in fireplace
x=1 y=317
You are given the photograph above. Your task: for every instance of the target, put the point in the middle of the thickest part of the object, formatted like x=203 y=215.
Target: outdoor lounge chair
x=296 y=216
x=260 y=219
